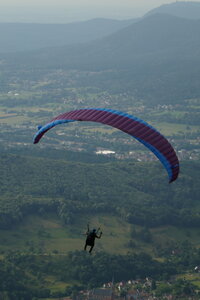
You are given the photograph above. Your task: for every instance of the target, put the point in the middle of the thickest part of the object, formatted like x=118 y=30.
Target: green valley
x=86 y=172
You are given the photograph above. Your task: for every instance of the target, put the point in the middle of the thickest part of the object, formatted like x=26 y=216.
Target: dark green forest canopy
x=78 y=266
x=75 y=266
x=139 y=192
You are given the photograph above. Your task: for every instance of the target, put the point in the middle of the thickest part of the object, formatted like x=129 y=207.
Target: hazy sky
x=64 y=11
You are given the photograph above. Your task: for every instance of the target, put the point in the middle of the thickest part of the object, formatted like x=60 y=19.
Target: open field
x=192 y=277
x=170 y=129
x=47 y=235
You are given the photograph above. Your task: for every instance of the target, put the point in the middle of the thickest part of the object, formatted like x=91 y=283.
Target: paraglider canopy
x=129 y=124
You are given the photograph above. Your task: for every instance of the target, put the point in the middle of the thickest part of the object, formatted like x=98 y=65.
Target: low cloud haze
x=59 y=12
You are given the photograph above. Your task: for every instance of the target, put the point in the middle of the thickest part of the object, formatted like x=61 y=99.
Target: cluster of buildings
x=130 y=290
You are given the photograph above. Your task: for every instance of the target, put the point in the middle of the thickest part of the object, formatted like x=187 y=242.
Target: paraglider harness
x=91 y=235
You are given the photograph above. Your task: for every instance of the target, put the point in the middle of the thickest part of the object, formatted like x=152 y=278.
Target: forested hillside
x=138 y=192
x=45 y=204
x=77 y=268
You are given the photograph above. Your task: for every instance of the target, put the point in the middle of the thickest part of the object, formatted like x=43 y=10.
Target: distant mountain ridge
x=183 y=9
x=156 y=58
x=159 y=32
x=29 y=36
x=155 y=39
